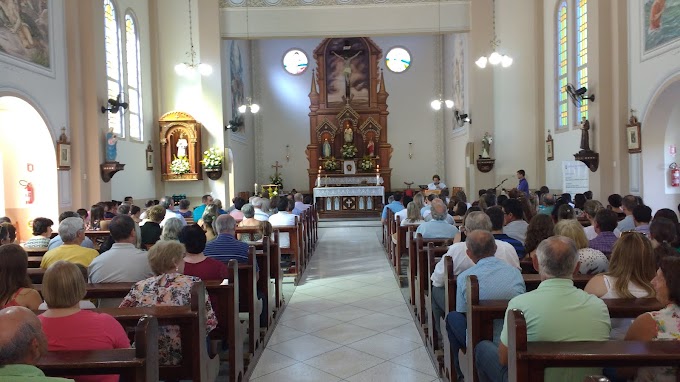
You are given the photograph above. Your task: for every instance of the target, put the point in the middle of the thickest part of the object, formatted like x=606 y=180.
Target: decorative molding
x=326 y=126
x=439 y=130
x=319 y=3
x=370 y=125
x=257 y=119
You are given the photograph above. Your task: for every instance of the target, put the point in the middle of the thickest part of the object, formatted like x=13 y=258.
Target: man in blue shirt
x=198 y=211
x=523 y=184
x=498 y=280
x=395 y=206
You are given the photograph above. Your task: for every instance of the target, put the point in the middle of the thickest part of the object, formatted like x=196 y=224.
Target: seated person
x=284 y=218
x=591 y=261
x=628 y=205
x=299 y=204
x=436 y=184
x=22 y=343
x=261 y=209
x=67 y=327
x=605 y=224
x=11 y=232
x=170 y=287
x=210 y=213
x=42 y=232
x=497 y=281
x=547 y=204
x=236 y=213
x=16 y=288
x=642 y=216
x=395 y=206
x=183 y=209
x=556 y=311
x=663 y=324
x=56 y=241
x=171 y=229
x=631 y=270
x=515 y=226
x=497 y=216
x=590 y=209
x=437 y=227
x=72 y=232
x=249 y=221
x=151 y=229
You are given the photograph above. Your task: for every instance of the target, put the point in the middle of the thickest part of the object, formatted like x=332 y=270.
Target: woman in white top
x=591 y=260
x=631 y=269
x=413 y=217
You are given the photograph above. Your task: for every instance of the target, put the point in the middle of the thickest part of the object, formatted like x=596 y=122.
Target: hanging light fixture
x=253 y=107
x=494 y=58
x=437 y=104
x=189 y=69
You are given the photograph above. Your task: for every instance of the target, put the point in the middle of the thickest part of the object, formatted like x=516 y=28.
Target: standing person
x=436 y=184
x=198 y=211
x=523 y=185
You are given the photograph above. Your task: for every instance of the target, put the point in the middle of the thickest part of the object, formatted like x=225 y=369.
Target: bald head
x=22 y=340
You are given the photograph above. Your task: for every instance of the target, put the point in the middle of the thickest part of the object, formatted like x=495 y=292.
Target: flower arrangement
x=366 y=164
x=349 y=150
x=180 y=165
x=330 y=164
x=277 y=179
x=212 y=158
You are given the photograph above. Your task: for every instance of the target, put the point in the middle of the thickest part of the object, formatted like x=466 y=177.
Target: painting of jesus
x=347 y=69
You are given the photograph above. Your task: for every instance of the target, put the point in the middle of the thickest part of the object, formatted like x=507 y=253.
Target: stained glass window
x=295 y=61
x=562 y=71
x=582 y=54
x=398 y=59
x=113 y=63
x=133 y=77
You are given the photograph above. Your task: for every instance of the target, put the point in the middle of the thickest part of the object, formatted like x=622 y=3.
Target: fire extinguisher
x=29 y=191
x=675 y=175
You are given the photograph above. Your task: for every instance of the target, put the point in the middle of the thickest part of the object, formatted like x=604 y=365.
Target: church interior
x=347 y=102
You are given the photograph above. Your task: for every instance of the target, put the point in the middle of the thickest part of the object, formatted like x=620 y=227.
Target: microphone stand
x=500 y=184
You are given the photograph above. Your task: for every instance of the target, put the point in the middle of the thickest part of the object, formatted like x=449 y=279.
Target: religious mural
x=24 y=30
x=236 y=77
x=347 y=72
x=459 y=45
x=661 y=23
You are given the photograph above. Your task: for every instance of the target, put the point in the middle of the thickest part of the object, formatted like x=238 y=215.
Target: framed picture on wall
x=550 y=147
x=149 y=157
x=633 y=136
x=64 y=156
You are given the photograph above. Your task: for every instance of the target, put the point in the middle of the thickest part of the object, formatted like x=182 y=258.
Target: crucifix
x=276 y=168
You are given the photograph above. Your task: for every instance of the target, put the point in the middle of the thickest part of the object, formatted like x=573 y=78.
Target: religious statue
x=182 y=145
x=487 y=140
x=326 y=148
x=349 y=134
x=111 y=142
x=347 y=70
x=370 y=148
x=585 y=135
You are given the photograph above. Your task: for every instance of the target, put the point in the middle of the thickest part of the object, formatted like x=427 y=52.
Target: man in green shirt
x=556 y=311
x=22 y=343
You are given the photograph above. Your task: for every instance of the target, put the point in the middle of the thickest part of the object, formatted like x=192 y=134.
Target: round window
x=295 y=61
x=398 y=59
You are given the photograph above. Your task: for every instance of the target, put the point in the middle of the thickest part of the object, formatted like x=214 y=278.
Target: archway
x=28 y=166
x=660 y=131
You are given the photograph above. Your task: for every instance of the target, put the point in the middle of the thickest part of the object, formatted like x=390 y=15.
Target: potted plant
x=366 y=164
x=349 y=151
x=180 y=165
x=212 y=160
x=330 y=164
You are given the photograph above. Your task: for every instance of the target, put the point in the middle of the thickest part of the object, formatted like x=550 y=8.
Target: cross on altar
x=276 y=168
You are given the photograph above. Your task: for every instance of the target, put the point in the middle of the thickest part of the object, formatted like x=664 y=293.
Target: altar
x=349 y=201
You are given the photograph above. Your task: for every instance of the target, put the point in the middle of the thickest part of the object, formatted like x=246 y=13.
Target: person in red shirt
x=67 y=327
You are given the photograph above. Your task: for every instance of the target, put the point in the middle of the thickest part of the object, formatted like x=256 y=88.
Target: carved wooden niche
x=180 y=137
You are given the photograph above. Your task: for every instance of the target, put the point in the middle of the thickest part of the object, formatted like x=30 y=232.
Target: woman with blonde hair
x=591 y=260
x=413 y=217
x=631 y=270
x=67 y=326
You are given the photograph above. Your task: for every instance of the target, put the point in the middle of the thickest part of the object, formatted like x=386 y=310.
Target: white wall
x=285 y=102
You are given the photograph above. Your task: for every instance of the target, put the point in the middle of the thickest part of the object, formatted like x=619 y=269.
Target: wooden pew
x=35 y=252
x=480 y=315
x=138 y=365
x=295 y=250
x=36 y=275
x=527 y=361
x=421 y=273
x=315 y=222
x=34 y=261
x=248 y=302
x=403 y=236
x=434 y=254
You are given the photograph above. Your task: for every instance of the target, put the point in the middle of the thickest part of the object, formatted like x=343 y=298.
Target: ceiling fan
x=578 y=95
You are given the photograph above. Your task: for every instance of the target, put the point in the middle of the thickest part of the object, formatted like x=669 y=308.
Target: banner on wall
x=575 y=177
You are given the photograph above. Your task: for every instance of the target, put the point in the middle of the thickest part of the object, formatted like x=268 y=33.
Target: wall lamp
x=114 y=105
x=234 y=124
x=461 y=119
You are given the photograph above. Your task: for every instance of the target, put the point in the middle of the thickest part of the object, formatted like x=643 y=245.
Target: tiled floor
x=347 y=320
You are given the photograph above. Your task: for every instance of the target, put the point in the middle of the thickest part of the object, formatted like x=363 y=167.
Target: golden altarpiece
x=348 y=126
x=180 y=138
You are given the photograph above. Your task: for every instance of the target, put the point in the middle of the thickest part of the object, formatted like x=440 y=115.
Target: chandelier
x=438 y=103
x=495 y=57
x=253 y=107
x=189 y=69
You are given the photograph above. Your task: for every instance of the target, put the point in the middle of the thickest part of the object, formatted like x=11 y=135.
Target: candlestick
x=255 y=188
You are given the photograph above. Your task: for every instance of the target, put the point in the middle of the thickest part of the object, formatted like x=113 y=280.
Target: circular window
x=295 y=61
x=398 y=59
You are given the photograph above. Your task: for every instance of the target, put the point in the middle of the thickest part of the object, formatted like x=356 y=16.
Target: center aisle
x=347 y=320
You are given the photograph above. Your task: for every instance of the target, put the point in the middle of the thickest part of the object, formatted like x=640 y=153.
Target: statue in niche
x=111 y=142
x=347 y=70
x=349 y=134
x=182 y=145
x=487 y=140
x=326 y=150
x=585 y=135
x=370 y=147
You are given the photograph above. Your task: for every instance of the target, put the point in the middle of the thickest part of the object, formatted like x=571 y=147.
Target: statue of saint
x=182 y=145
x=487 y=140
x=370 y=148
x=111 y=142
x=585 y=135
x=349 y=134
x=347 y=69
x=326 y=151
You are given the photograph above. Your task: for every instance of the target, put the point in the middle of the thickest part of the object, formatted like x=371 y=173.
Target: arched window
x=562 y=67
x=113 y=63
x=582 y=54
x=133 y=79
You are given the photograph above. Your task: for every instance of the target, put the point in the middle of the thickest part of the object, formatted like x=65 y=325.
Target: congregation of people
x=164 y=248
x=629 y=251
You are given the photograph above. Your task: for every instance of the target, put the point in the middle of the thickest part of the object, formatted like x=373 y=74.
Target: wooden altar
x=350 y=201
x=348 y=112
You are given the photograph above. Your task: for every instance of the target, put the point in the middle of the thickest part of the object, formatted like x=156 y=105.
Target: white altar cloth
x=326 y=192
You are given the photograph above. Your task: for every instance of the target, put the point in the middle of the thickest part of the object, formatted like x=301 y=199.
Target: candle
x=256 y=188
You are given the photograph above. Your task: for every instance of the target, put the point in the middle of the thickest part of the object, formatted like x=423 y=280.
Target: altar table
x=349 y=201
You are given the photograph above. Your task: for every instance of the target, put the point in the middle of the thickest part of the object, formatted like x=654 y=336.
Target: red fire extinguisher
x=29 y=191
x=675 y=175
